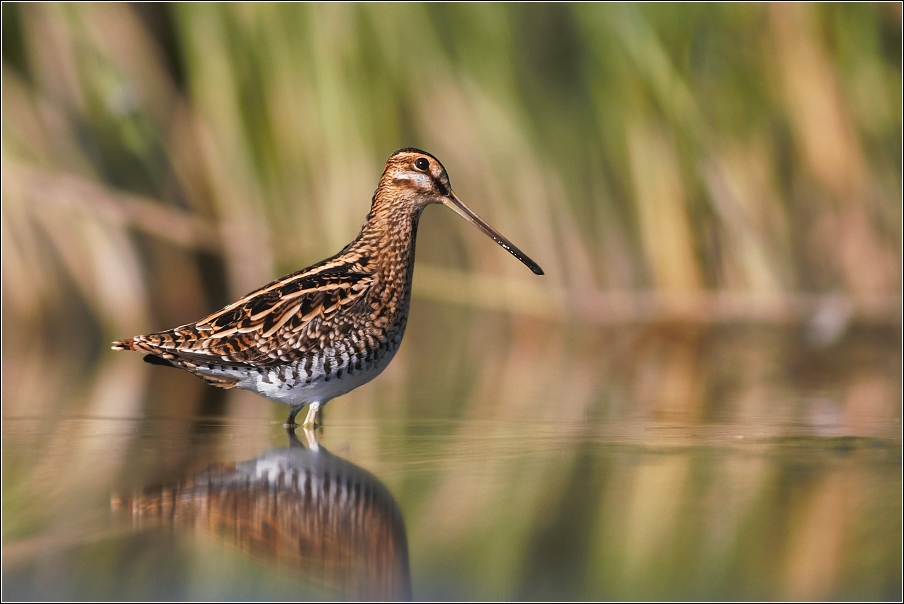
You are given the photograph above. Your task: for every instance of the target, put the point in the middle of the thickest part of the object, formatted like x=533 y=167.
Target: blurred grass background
x=732 y=161
x=671 y=167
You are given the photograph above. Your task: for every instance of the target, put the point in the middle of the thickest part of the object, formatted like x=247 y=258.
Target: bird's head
x=416 y=178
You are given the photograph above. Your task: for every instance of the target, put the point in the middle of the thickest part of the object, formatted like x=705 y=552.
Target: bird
x=321 y=332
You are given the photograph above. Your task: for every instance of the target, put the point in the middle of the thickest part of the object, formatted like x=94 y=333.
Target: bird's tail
x=124 y=344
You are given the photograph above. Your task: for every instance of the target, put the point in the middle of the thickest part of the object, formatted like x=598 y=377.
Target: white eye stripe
x=422 y=180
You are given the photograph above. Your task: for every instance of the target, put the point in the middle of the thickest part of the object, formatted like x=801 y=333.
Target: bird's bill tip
x=458 y=206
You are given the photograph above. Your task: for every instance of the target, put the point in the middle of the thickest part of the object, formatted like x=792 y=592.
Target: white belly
x=281 y=384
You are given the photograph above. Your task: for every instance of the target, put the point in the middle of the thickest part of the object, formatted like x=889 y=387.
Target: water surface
x=524 y=462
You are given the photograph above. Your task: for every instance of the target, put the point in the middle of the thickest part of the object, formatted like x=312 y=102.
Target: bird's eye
x=422 y=164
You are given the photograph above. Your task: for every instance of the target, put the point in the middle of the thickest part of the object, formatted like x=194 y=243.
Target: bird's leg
x=293 y=411
x=311 y=420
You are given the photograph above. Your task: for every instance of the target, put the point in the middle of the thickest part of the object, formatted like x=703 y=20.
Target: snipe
x=325 y=330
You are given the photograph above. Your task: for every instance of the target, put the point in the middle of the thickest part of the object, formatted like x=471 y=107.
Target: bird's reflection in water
x=303 y=508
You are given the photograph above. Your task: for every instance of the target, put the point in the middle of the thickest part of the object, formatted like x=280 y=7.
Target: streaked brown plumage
x=325 y=330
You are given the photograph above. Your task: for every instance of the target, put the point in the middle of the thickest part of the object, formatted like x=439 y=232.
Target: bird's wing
x=283 y=321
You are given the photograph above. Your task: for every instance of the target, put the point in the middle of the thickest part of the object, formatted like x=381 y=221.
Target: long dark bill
x=453 y=202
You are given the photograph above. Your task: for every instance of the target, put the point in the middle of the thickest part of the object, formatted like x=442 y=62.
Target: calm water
x=516 y=461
